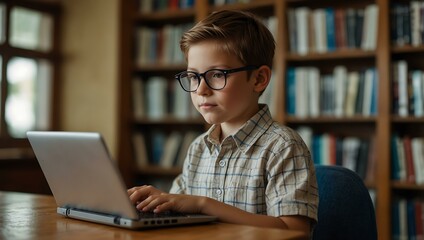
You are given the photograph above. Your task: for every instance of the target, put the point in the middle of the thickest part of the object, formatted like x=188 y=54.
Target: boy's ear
x=262 y=78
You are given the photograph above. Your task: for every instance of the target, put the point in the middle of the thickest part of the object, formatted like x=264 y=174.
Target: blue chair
x=345 y=209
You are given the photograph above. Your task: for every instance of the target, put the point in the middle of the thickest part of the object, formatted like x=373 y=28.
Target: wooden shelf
x=353 y=119
x=335 y=55
x=408 y=119
x=408 y=49
x=407 y=186
x=159 y=171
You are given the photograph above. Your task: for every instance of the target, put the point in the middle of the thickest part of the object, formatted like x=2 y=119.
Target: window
x=29 y=63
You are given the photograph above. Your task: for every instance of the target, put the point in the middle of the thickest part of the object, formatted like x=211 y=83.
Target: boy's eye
x=192 y=77
x=217 y=75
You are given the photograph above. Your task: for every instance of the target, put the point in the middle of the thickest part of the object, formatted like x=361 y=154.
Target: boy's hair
x=239 y=33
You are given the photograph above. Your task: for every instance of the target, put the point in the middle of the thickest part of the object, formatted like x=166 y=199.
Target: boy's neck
x=227 y=128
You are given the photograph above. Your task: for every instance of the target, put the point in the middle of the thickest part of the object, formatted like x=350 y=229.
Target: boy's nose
x=203 y=88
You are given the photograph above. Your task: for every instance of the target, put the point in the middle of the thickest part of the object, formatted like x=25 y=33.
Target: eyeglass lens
x=214 y=78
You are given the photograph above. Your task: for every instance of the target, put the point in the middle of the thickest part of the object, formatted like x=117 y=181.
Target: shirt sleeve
x=178 y=186
x=292 y=188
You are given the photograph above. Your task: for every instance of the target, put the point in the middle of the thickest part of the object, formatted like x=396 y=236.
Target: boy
x=246 y=169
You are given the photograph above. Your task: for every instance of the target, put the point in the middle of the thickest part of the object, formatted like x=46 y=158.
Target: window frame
x=7 y=52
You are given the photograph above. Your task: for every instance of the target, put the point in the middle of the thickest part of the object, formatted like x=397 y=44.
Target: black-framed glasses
x=216 y=79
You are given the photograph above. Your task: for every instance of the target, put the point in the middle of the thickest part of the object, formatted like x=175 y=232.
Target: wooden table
x=31 y=216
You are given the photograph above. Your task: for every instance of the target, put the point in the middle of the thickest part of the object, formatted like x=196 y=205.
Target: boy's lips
x=207 y=105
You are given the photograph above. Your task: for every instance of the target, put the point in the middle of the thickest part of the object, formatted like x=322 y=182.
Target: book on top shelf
x=328 y=29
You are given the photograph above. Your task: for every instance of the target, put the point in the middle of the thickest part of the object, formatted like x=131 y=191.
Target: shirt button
x=218 y=192
x=222 y=163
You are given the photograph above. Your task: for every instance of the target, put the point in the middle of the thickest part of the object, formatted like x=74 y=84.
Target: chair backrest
x=345 y=209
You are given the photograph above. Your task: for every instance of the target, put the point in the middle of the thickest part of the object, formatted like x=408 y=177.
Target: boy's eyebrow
x=211 y=67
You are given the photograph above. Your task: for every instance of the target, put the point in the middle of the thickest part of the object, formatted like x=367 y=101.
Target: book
x=351 y=23
x=181 y=103
x=402 y=159
x=156 y=97
x=170 y=151
x=417 y=88
x=410 y=208
x=395 y=165
x=360 y=94
x=417 y=146
x=291 y=91
x=157 y=141
x=188 y=138
x=372 y=161
x=359 y=26
x=140 y=151
x=340 y=28
x=330 y=29
x=368 y=92
x=410 y=168
x=319 y=30
x=313 y=92
x=350 y=152
x=402 y=81
x=340 y=78
x=362 y=158
x=352 y=92
x=301 y=95
x=370 y=29
x=403 y=219
x=292 y=29
x=301 y=14
x=419 y=220
x=138 y=97
x=395 y=219
x=415 y=7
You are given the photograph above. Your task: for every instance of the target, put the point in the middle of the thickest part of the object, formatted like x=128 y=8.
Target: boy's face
x=237 y=101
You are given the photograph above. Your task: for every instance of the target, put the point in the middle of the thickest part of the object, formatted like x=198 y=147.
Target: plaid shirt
x=264 y=168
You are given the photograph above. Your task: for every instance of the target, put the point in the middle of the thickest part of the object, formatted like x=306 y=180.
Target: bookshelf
x=379 y=125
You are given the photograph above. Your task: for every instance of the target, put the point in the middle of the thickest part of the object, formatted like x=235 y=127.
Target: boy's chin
x=211 y=120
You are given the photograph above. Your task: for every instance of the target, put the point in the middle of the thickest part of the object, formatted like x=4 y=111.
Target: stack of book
x=353 y=153
x=407 y=21
x=407 y=159
x=408 y=90
x=327 y=29
x=342 y=93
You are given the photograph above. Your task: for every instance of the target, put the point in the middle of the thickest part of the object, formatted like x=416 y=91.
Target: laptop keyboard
x=150 y=215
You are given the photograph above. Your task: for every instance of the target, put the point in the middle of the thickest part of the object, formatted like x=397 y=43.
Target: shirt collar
x=247 y=135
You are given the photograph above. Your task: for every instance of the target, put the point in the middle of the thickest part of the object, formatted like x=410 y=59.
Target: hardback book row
x=407 y=219
x=327 y=29
x=342 y=93
x=158 y=97
x=407 y=159
x=354 y=153
x=160 y=45
x=408 y=90
x=407 y=23
x=162 y=149
x=148 y=6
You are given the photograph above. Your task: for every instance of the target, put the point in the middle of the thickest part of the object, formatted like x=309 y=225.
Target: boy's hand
x=138 y=194
x=148 y=198
x=171 y=202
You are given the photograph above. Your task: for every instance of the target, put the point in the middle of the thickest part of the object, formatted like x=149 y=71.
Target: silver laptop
x=87 y=185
